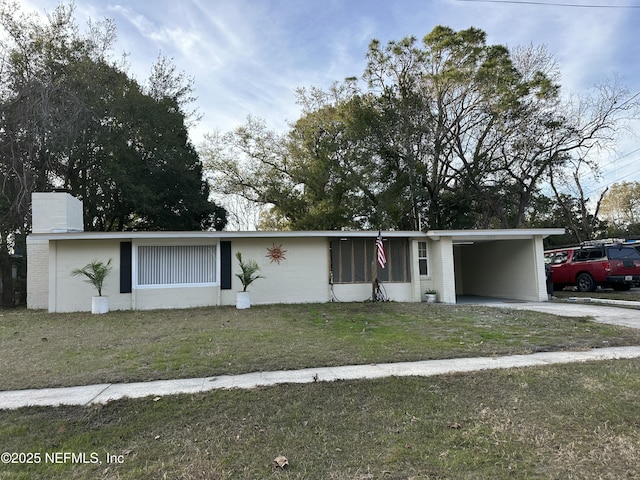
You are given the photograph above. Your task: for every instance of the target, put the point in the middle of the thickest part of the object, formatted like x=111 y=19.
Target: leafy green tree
x=406 y=153
x=73 y=118
x=251 y=162
x=40 y=113
x=327 y=145
x=136 y=168
x=450 y=132
x=460 y=121
x=313 y=177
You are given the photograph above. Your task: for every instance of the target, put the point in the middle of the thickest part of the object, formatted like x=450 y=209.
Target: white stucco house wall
x=154 y=270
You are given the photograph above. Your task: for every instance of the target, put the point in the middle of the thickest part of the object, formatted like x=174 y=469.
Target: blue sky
x=247 y=57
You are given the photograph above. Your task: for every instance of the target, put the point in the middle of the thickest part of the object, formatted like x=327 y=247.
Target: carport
x=501 y=264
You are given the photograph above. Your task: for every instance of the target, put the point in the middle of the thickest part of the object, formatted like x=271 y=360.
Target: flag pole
x=379 y=258
x=374 y=273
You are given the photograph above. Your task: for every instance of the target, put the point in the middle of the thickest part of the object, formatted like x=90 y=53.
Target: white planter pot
x=431 y=297
x=99 y=305
x=243 y=300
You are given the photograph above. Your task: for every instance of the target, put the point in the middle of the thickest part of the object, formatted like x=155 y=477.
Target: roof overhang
x=457 y=236
x=223 y=235
x=486 y=235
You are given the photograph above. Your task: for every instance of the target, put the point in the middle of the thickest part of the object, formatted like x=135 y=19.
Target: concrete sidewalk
x=102 y=393
x=90 y=394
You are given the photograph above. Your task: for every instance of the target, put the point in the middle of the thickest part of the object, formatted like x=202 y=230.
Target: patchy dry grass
x=574 y=421
x=42 y=350
x=577 y=421
x=48 y=350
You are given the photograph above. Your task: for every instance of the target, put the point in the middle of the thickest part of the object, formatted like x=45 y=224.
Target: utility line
x=612 y=162
x=600 y=187
x=630 y=99
x=551 y=4
x=617 y=180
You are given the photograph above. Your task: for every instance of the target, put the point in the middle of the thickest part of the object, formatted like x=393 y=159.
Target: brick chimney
x=56 y=212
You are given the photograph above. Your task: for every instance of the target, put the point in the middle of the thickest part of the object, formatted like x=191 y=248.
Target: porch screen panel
x=360 y=261
x=346 y=261
x=334 y=247
x=176 y=264
x=399 y=250
x=351 y=260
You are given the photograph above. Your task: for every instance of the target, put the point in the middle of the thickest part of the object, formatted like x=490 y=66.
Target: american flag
x=382 y=257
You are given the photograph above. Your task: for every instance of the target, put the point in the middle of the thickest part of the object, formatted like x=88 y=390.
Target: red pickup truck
x=587 y=267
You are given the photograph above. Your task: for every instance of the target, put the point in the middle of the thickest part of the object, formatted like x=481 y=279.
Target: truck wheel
x=585 y=283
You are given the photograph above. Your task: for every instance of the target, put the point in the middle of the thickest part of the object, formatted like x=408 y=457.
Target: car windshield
x=623 y=252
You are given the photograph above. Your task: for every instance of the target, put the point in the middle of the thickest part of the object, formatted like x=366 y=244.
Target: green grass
x=44 y=350
x=576 y=421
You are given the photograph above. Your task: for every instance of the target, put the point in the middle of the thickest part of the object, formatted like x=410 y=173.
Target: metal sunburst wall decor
x=276 y=253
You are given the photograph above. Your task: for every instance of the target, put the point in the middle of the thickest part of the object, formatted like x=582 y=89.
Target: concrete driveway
x=614 y=313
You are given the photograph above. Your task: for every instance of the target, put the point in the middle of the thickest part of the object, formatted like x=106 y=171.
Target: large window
x=176 y=265
x=351 y=260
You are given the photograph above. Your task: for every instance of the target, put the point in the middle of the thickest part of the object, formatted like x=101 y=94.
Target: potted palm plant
x=96 y=272
x=248 y=274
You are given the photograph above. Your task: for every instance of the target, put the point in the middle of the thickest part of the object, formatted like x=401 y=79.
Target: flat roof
x=480 y=235
x=456 y=235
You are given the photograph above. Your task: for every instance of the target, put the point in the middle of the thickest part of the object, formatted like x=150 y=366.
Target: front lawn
x=575 y=421
x=38 y=349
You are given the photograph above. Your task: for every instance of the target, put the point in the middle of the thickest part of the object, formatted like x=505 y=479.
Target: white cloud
x=249 y=56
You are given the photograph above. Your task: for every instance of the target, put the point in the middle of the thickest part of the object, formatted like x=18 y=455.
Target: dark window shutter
x=125 y=267
x=225 y=265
